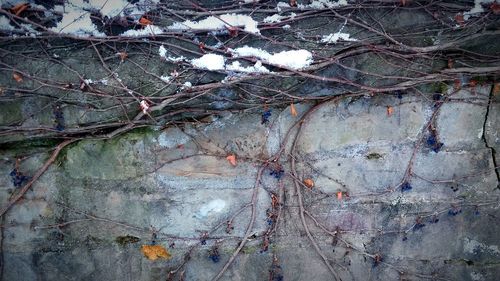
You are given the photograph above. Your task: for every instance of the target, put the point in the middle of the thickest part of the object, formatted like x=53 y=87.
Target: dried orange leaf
x=19 y=8
x=293 y=111
x=144 y=21
x=122 y=55
x=459 y=18
x=309 y=183
x=232 y=159
x=18 y=77
x=496 y=89
x=153 y=252
x=390 y=111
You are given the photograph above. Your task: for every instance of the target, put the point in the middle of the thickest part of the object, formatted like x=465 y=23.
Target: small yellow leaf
x=309 y=183
x=232 y=159
x=293 y=111
x=153 y=252
x=390 y=111
x=18 y=77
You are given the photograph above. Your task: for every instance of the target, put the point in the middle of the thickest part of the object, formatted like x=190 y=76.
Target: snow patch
x=76 y=16
x=214 y=206
x=220 y=22
x=5 y=24
x=322 y=4
x=282 y=5
x=163 y=53
x=335 y=37
x=477 y=9
x=210 y=62
x=257 y=68
x=76 y=20
x=278 y=18
x=295 y=59
x=165 y=78
x=149 y=30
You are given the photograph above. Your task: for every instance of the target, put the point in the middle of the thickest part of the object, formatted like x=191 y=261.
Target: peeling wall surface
x=326 y=182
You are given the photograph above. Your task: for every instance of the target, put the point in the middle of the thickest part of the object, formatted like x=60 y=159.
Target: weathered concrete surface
x=177 y=181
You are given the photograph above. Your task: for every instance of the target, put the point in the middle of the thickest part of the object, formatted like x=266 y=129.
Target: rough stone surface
x=178 y=182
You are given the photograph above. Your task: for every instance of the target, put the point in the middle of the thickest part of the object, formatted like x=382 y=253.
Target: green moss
x=10 y=112
x=374 y=156
x=480 y=79
x=439 y=87
x=250 y=249
x=127 y=239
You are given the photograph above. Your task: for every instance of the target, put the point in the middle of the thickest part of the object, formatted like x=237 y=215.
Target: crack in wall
x=492 y=149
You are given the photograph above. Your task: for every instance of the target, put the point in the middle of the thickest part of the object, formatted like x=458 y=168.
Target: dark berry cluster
x=418 y=225
x=277 y=173
x=214 y=255
x=437 y=97
x=377 y=259
x=275 y=272
x=406 y=186
x=203 y=238
x=454 y=211
x=399 y=94
x=434 y=143
x=271 y=217
x=59 y=118
x=265 y=116
x=476 y=211
x=434 y=219
x=18 y=179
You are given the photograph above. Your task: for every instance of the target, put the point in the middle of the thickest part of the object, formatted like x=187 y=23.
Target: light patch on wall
x=214 y=206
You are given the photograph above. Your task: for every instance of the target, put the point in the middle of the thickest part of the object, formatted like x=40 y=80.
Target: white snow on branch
x=477 y=9
x=277 y=18
x=76 y=16
x=256 y=68
x=322 y=4
x=335 y=37
x=281 y=5
x=210 y=62
x=75 y=21
x=220 y=22
x=5 y=24
x=295 y=59
x=163 y=53
x=165 y=78
x=148 y=30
